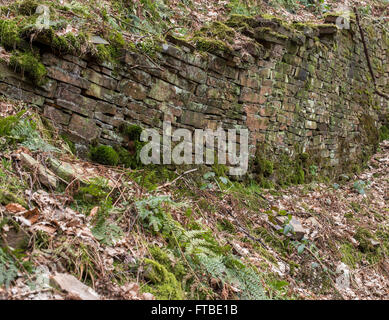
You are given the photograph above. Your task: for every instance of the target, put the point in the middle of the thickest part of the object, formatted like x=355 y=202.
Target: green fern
x=25 y=132
x=107 y=233
x=231 y=270
x=8 y=123
x=151 y=212
x=200 y=248
x=8 y=268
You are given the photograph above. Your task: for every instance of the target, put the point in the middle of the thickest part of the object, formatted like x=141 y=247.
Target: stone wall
x=306 y=90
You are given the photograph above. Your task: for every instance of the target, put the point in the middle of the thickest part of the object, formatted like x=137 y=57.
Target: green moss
x=27 y=63
x=240 y=21
x=384 y=132
x=104 y=155
x=164 y=284
x=70 y=43
x=282 y=169
x=168 y=260
x=9 y=34
x=131 y=131
x=103 y=53
x=153 y=175
x=339 y=14
x=7 y=197
x=215 y=37
x=219 y=169
x=364 y=237
x=27 y=7
x=370 y=134
x=211 y=45
x=113 y=51
x=130 y=157
x=263 y=166
x=217 y=30
x=269 y=31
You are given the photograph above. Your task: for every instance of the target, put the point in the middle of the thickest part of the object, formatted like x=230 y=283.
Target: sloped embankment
x=151 y=233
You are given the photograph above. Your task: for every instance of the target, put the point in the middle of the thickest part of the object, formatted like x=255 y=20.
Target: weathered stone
x=107 y=95
x=115 y=121
x=65 y=65
x=16 y=239
x=85 y=128
x=100 y=79
x=298 y=230
x=17 y=93
x=64 y=76
x=75 y=289
x=74 y=101
x=251 y=96
x=75 y=60
x=133 y=89
x=310 y=125
x=56 y=115
x=327 y=29
x=193 y=73
x=45 y=176
x=194 y=119
x=106 y=108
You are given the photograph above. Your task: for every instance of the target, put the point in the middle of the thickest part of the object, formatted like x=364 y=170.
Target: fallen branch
x=179 y=177
x=377 y=91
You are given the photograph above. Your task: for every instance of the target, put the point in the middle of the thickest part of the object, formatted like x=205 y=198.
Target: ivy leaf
x=300 y=248
x=288 y=228
x=208 y=175
x=224 y=180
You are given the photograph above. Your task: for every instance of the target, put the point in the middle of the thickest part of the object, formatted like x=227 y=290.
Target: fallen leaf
x=47 y=229
x=32 y=215
x=94 y=211
x=15 y=207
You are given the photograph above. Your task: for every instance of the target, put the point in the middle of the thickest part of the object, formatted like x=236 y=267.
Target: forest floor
x=144 y=234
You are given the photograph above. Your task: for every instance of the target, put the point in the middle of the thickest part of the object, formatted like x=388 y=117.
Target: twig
x=179 y=177
x=32 y=292
x=246 y=232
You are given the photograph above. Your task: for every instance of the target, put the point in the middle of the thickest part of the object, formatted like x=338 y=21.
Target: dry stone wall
x=306 y=91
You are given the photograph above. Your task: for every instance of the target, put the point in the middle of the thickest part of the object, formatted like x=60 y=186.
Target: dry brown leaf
x=94 y=211
x=47 y=229
x=15 y=208
x=32 y=215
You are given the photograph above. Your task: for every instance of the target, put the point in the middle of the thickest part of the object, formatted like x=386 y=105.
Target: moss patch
x=105 y=155
x=29 y=64
x=164 y=284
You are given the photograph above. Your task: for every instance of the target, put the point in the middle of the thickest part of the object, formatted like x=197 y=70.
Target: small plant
x=151 y=211
x=360 y=186
x=8 y=268
x=211 y=178
x=24 y=131
x=108 y=233
x=95 y=192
